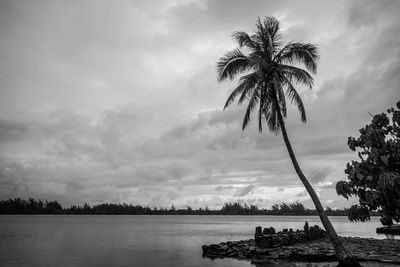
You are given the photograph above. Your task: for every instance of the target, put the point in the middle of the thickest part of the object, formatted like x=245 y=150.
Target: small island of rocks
x=310 y=244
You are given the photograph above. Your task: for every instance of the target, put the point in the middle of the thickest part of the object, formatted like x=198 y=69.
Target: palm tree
x=269 y=72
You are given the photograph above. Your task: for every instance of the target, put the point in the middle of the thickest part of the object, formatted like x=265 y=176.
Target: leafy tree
x=53 y=207
x=285 y=207
x=375 y=178
x=172 y=209
x=297 y=208
x=269 y=71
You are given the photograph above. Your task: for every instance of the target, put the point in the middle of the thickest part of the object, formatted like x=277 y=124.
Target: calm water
x=57 y=240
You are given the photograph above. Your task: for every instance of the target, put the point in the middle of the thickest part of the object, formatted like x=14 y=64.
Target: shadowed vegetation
x=32 y=206
x=375 y=178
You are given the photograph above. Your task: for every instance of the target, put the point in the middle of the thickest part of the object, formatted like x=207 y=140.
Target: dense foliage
x=375 y=178
x=31 y=206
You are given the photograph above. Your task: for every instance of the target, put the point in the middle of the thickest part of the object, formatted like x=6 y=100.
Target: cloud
x=302 y=194
x=364 y=14
x=121 y=102
x=12 y=131
x=245 y=191
x=319 y=175
x=222 y=188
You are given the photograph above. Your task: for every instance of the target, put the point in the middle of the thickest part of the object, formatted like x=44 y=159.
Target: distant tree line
x=32 y=206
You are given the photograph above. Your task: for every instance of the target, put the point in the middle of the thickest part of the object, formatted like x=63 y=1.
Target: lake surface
x=129 y=240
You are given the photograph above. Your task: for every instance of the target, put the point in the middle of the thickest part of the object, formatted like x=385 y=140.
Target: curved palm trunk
x=344 y=256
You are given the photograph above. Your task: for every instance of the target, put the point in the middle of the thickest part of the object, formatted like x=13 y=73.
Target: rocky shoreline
x=299 y=245
x=389 y=230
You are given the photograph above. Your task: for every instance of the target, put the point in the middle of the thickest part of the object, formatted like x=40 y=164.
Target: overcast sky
x=118 y=101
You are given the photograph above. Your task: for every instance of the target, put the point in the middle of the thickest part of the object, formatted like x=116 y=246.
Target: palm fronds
x=250 y=107
x=273 y=75
x=306 y=54
x=231 y=64
x=246 y=83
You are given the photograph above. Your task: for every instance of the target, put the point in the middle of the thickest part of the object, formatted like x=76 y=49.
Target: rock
x=266 y=241
x=233 y=254
x=258 y=231
x=262 y=251
x=258 y=240
x=374 y=250
x=269 y=231
x=210 y=248
x=286 y=237
x=315 y=232
x=223 y=247
x=258 y=235
x=312 y=233
x=391 y=230
x=307 y=231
